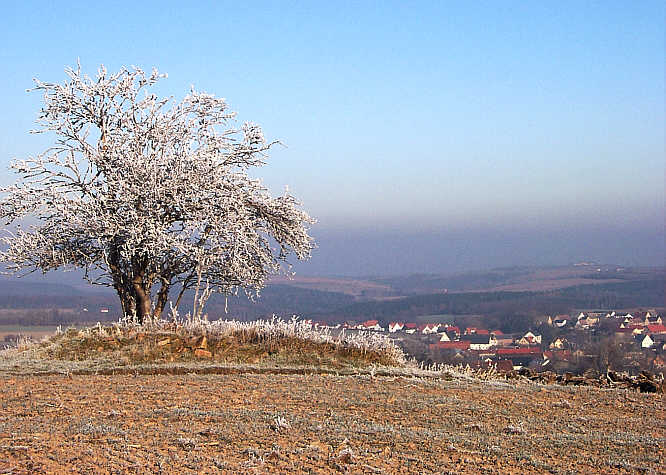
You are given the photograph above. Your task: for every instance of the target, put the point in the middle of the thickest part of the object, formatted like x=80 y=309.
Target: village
x=597 y=340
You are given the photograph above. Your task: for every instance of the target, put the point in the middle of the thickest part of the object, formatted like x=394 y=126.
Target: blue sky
x=489 y=134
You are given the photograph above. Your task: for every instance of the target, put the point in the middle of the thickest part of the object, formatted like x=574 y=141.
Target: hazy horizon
x=441 y=137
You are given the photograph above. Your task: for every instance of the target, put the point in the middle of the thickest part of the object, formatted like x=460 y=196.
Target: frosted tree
x=147 y=195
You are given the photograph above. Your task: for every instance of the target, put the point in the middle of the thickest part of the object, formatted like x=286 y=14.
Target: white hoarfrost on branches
x=146 y=195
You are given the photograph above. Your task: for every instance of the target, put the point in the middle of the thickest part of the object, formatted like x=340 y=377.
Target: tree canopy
x=147 y=195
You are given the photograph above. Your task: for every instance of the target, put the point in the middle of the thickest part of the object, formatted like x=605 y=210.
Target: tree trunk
x=142 y=296
x=127 y=302
x=126 y=296
x=121 y=282
x=162 y=296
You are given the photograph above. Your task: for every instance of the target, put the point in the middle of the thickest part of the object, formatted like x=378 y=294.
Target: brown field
x=533 y=280
x=552 y=279
x=353 y=287
x=271 y=423
x=34 y=332
x=548 y=284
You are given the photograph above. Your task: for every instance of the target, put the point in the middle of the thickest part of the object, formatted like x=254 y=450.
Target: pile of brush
x=643 y=382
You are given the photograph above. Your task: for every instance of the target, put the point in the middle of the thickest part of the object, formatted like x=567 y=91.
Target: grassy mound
x=263 y=343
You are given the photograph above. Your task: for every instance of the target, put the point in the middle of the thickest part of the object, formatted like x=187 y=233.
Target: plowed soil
x=270 y=423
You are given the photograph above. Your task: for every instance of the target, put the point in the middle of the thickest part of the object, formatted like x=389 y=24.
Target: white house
x=560 y=322
x=586 y=321
x=395 y=327
x=429 y=328
x=646 y=341
x=371 y=325
x=653 y=319
x=480 y=342
x=529 y=338
x=559 y=343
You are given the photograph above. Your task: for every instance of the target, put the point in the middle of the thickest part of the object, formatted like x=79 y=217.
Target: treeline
x=648 y=293
x=56 y=301
x=508 y=311
x=282 y=300
x=52 y=316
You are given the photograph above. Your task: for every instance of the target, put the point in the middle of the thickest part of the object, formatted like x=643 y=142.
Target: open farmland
x=270 y=423
x=36 y=332
x=347 y=286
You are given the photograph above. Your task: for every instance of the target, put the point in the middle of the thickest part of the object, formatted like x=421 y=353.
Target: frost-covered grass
x=273 y=343
x=224 y=346
x=275 y=331
x=229 y=346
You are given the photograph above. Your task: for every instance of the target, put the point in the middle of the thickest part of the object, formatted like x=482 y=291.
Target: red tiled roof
x=370 y=323
x=656 y=328
x=410 y=325
x=482 y=332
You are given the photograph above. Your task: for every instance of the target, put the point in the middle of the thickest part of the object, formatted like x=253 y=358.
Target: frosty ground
x=272 y=423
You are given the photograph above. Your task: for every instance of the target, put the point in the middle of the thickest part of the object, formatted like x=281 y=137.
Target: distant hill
x=519 y=279
x=498 y=293
x=34 y=303
x=648 y=293
x=283 y=300
x=27 y=288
